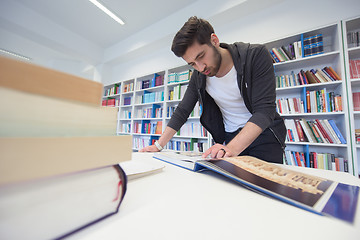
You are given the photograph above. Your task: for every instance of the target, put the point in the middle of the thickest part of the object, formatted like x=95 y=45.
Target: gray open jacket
x=256 y=82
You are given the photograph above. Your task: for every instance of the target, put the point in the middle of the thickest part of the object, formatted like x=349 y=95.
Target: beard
x=217 y=62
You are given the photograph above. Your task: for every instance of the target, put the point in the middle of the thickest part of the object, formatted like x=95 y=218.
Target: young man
x=235 y=84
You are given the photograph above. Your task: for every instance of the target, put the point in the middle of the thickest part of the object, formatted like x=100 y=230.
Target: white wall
x=281 y=20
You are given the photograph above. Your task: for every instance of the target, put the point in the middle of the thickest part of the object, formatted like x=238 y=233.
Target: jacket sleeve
x=262 y=89
x=186 y=105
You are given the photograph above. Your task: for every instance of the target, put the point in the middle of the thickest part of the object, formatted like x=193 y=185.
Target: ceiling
x=84 y=18
x=78 y=30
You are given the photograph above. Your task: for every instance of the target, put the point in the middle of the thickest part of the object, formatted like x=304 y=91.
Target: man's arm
x=163 y=140
x=238 y=144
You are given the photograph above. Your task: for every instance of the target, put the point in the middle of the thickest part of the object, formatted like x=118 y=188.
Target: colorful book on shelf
x=327 y=161
x=356 y=101
x=42 y=81
x=57 y=206
x=315 y=194
x=354 y=65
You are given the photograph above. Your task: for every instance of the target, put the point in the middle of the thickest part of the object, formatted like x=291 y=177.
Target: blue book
x=274 y=56
x=337 y=131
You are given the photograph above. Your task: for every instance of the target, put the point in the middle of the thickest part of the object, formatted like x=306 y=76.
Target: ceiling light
x=107 y=11
x=14 y=54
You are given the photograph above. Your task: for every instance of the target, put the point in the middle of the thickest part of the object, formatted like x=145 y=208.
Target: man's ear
x=214 y=40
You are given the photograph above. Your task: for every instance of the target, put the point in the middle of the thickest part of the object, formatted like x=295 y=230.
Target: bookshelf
x=125 y=107
x=146 y=104
x=305 y=91
x=351 y=29
x=111 y=96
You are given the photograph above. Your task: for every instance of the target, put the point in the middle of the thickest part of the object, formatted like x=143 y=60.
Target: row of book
x=357 y=135
x=150 y=97
x=112 y=90
x=150 y=112
x=54 y=145
x=178 y=92
x=128 y=87
x=196 y=112
x=322 y=101
x=327 y=161
x=356 y=101
x=180 y=76
x=194 y=145
x=313 y=131
x=313 y=45
x=304 y=77
x=147 y=127
x=156 y=80
x=125 y=127
x=125 y=114
x=192 y=129
x=354 y=68
x=141 y=142
x=110 y=102
x=316 y=101
x=353 y=39
x=305 y=47
x=170 y=111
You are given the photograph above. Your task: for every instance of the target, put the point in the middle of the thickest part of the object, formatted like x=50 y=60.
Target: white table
x=179 y=204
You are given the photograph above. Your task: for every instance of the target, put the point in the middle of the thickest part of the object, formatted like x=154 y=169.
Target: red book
x=315 y=160
x=296 y=107
x=357 y=68
x=290 y=136
x=299 y=130
x=111 y=102
x=322 y=129
x=327 y=69
x=356 y=101
x=297 y=156
x=353 y=72
x=280 y=107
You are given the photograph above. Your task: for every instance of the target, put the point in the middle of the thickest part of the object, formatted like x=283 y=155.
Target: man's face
x=204 y=58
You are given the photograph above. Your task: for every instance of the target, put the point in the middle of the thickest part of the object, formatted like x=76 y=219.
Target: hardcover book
x=57 y=206
x=315 y=194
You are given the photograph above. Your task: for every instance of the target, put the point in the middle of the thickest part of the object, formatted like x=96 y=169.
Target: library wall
x=281 y=20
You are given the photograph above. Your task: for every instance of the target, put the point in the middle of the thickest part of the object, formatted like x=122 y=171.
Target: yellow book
x=30 y=115
x=31 y=158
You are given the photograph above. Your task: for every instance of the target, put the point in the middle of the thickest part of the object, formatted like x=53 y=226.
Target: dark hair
x=194 y=29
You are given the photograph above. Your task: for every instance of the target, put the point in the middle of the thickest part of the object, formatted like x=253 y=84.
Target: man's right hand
x=151 y=148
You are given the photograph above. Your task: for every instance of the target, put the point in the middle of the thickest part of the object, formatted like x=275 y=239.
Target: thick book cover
x=55 y=207
x=25 y=114
x=29 y=158
x=35 y=79
x=315 y=194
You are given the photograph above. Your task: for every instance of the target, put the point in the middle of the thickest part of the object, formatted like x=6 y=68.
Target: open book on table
x=312 y=193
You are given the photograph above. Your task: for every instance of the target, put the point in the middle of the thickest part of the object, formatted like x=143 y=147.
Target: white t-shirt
x=226 y=93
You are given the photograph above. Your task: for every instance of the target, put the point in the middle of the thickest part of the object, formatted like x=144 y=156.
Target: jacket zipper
x=277 y=138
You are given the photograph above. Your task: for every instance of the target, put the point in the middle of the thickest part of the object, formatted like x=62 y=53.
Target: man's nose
x=201 y=66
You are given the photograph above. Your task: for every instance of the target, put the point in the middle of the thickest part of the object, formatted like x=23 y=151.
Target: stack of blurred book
x=59 y=153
